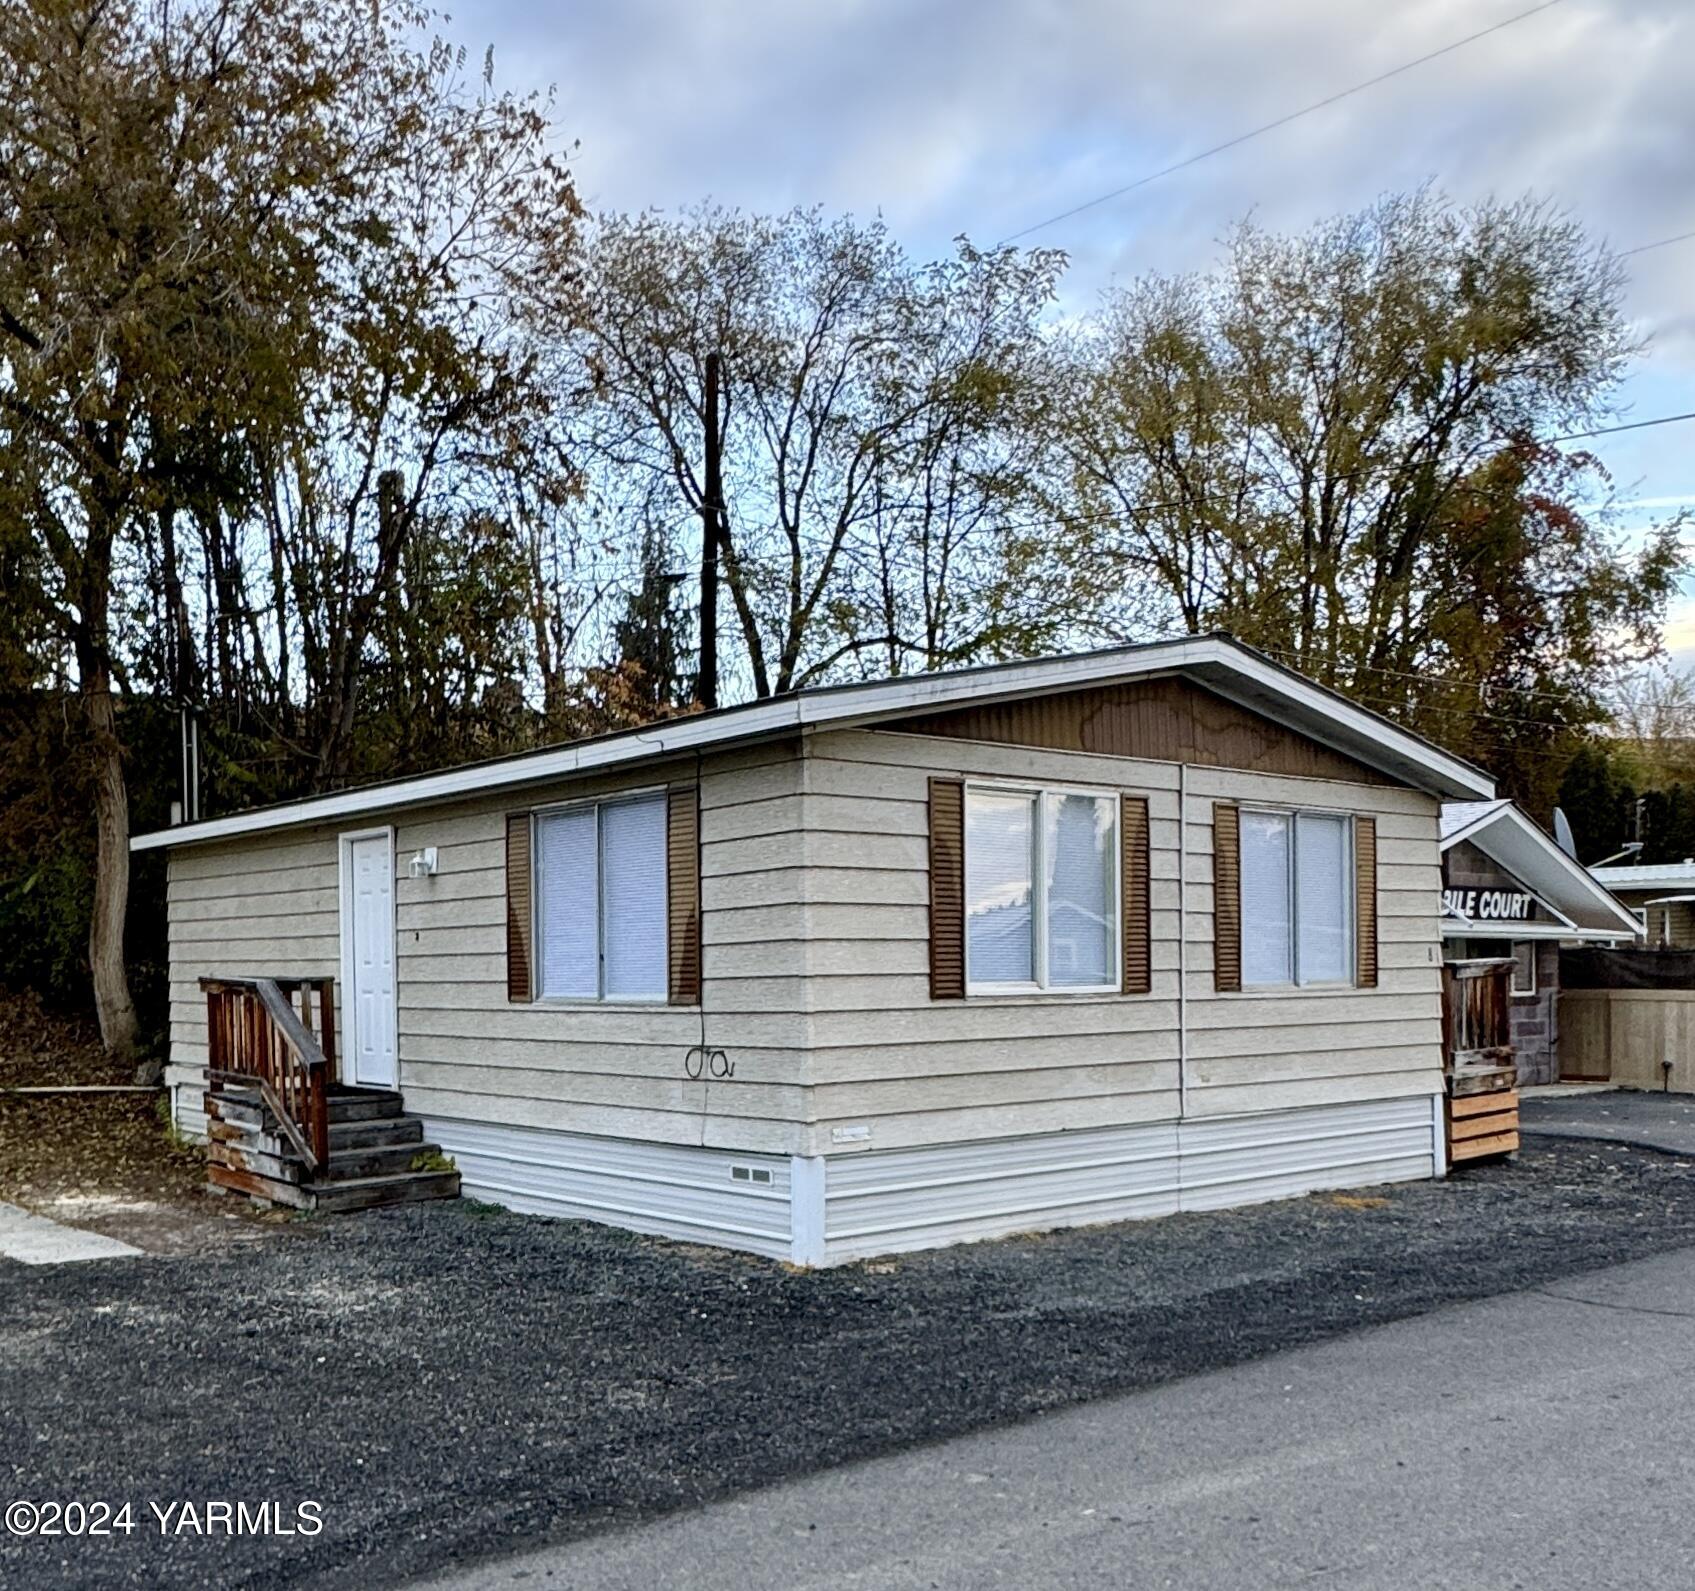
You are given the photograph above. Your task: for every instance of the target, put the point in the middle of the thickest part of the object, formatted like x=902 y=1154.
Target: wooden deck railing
x=264 y=1034
x=1477 y=1013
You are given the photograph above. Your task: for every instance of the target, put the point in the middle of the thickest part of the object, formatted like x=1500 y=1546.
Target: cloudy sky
x=983 y=118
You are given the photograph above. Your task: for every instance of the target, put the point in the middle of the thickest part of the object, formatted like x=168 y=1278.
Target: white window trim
x=601 y=1001
x=1513 y=986
x=1351 y=926
x=1039 y=891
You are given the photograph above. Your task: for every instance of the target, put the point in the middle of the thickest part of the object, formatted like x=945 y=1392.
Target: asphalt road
x=1665 y=1122
x=1544 y=1439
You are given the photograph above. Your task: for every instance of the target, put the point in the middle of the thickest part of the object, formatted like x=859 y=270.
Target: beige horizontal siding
x=883 y=1055
x=1340 y=1088
x=247 y=909
x=964 y=1090
x=1290 y=1048
x=908 y=1128
x=704 y=1124
x=880 y=1061
x=273 y=907
x=815 y=956
x=624 y=1088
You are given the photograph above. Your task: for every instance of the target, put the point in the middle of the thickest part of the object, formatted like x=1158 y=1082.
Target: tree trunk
x=180 y=656
x=394 y=521
x=112 y=1004
x=113 y=1007
x=711 y=509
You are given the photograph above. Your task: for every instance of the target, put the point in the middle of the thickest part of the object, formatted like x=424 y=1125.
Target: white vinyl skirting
x=920 y=1198
x=845 y=1207
x=187 y=1086
x=715 y=1196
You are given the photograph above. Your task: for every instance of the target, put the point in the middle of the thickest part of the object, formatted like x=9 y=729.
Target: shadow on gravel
x=448 y=1382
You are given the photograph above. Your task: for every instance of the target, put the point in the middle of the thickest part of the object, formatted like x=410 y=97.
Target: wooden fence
x=1626 y=1036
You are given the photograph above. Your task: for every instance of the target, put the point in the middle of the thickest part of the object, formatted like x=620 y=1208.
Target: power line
x=1658 y=243
x=1634 y=425
x=1272 y=126
x=874 y=559
x=1482 y=689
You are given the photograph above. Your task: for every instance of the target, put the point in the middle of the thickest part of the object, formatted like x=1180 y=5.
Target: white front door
x=367 y=958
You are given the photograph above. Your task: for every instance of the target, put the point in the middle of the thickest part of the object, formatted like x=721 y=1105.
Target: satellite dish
x=1562 y=835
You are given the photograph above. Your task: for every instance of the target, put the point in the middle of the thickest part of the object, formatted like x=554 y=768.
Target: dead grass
x=40 y=1048
x=114 y=1144
x=105 y=1161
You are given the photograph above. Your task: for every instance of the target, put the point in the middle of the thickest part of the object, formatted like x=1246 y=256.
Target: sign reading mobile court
x=1475 y=888
x=1490 y=905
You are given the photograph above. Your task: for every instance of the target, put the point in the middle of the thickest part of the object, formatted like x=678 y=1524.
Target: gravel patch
x=449 y=1382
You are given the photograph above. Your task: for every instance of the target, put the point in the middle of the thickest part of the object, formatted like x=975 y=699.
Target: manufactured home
x=857 y=969
x=1660 y=896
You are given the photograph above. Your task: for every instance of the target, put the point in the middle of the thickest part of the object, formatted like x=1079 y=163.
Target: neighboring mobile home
x=1509 y=892
x=880 y=966
x=1662 y=898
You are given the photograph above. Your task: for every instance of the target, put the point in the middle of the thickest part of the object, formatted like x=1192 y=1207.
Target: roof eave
x=1225 y=666
x=1577 y=875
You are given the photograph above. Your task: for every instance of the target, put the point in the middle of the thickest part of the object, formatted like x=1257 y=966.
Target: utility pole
x=711 y=508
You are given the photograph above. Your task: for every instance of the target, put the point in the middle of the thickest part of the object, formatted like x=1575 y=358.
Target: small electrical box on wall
x=423 y=863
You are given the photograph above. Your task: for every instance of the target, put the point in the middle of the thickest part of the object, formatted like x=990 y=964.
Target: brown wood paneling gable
x=1365 y=902
x=947 y=889
x=682 y=841
x=1226 y=897
x=1163 y=720
x=1134 y=868
x=520 y=911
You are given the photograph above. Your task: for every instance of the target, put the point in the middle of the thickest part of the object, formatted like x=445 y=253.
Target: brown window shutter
x=947 y=889
x=1133 y=866
x=520 y=915
x=1226 y=897
x=1365 y=902
x=682 y=841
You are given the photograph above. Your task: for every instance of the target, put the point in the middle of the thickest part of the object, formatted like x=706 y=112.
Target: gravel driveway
x=446 y=1382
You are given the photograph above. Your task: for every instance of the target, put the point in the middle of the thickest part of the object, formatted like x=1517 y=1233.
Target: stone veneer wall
x=1536 y=1022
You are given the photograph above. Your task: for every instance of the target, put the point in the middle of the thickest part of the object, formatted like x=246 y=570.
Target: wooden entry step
x=1482 y=1124
x=377 y=1155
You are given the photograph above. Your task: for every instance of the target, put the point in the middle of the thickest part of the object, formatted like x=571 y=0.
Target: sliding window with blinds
x=1295 y=898
x=602 y=901
x=566 y=916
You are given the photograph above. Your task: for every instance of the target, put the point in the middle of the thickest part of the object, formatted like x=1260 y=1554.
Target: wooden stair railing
x=258 y=1038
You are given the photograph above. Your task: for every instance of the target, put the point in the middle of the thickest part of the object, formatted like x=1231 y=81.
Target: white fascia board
x=1489 y=812
x=677 y=736
x=1223 y=666
x=1603 y=936
x=1579 y=885
x=1668 y=876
